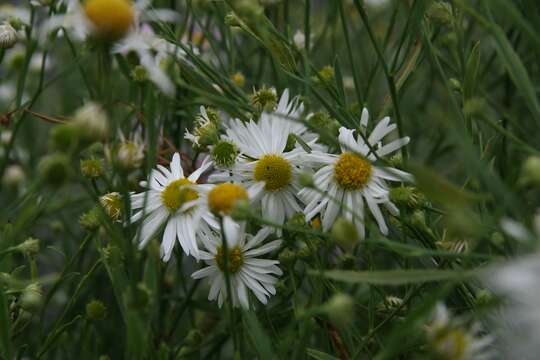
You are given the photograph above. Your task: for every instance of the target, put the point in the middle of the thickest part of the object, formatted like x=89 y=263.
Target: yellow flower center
x=352 y=172
x=111 y=18
x=275 y=171
x=235 y=259
x=177 y=193
x=451 y=345
x=221 y=198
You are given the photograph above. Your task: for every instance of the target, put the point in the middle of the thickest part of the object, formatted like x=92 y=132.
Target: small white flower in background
x=265 y=168
x=246 y=270
x=345 y=181
x=517 y=322
x=92 y=120
x=299 y=39
x=13 y=176
x=73 y=21
x=8 y=36
x=518 y=231
x=15 y=13
x=178 y=201
x=450 y=341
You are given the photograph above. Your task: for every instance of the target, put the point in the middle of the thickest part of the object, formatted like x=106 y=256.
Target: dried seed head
x=8 y=36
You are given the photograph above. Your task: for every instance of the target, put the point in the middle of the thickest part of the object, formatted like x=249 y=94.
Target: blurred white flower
x=449 y=340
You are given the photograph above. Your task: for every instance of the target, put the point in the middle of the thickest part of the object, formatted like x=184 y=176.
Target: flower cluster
x=267 y=157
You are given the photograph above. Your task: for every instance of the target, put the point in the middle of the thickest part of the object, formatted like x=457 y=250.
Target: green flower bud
x=408 y=196
x=92 y=168
x=390 y=304
x=306 y=180
x=287 y=257
x=241 y=210
x=139 y=74
x=29 y=247
x=345 y=234
x=441 y=13
x=239 y=79
x=232 y=20
x=455 y=85
x=54 y=169
x=31 y=298
x=130 y=155
x=96 y=310
x=530 y=172
x=474 y=106
x=64 y=137
x=224 y=153
x=327 y=74
x=340 y=309
x=264 y=99
x=90 y=220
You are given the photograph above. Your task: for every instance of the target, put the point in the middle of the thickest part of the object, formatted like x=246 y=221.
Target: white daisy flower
x=345 y=181
x=268 y=172
x=449 y=340
x=177 y=201
x=245 y=269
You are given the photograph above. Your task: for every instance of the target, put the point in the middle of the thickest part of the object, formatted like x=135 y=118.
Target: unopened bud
x=345 y=234
x=306 y=180
x=13 y=176
x=29 y=247
x=112 y=204
x=54 y=169
x=92 y=121
x=96 y=310
x=92 y=168
x=340 y=309
x=440 y=12
x=90 y=220
x=31 y=298
x=530 y=172
x=264 y=99
x=239 y=79
x=224 y=153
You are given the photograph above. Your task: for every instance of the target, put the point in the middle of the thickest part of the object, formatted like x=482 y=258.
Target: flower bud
x=8 y=36
x=96 y=310
x=264 y=99
x=299 y=39
x=31 y=298
x=92 y=168
x=90 y=219
x=287 y=257
x=13 y=176
x=224 y=153
x=408 y=196
x=441 y=13
x=306 y=179
x=239 y=79
x=54 y=169
x=232 y=20
x=112 y=204
x=241 y=210
x=29 y=247
x=530 y=172
x=130 y=155
x=340 y=309
x=64 y=138
x=139 y=74
x=327 y=74
x=92 y=122
x=345 y=234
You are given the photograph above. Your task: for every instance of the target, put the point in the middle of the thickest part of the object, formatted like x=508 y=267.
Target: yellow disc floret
x=235 y=259
x=178 y=193
x=352 y=172
x=111 y=18
x=274 y=170
x=221 y=198
x=451 y=345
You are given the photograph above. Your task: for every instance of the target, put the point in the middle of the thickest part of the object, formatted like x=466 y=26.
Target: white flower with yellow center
x=177 y=201
x=245 y=270
x=345 y=181
x=264 y=167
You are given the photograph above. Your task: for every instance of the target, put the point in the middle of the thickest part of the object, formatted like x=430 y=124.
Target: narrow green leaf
x=319 y=355
x=439 y=189
x=392 y=277
x=471 y=72
x=258 y=337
